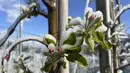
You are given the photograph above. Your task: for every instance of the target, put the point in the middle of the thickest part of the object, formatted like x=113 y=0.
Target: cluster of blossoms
x=90 y=30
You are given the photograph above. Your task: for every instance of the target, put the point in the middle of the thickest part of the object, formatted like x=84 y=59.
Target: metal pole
x=105 y=55
x=118 y=9
x=62 y=16
x=62 y=21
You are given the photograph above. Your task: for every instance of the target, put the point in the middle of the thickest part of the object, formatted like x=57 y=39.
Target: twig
x=120 y=12
x=123 y=66
x=47 y=3
x=11 y=47
x=12 y=28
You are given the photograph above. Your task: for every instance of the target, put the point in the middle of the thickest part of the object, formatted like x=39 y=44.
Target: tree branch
x=12 y=28
x=11 y=47
x=21 y=17
x=124 y=66
x=120 y=12
x=47 y=3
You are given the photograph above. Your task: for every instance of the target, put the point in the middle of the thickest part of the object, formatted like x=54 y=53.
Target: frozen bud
x=51 y=47
x=25 y=10
x=51 y=50
x=32 y=5
x=60 y=49
x=89 y=12
x=99 y=15
x=92 y=17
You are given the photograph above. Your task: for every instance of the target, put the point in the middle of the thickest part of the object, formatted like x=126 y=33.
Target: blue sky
x=9 y=11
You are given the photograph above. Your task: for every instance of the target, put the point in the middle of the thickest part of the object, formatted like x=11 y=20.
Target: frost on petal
x=89 y=11
x=51 y=45
x=75 y=21
x=99 y=15
x=102 y=28
x=49 y=39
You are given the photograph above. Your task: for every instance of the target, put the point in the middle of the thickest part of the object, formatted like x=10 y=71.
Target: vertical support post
x=118 y=9
x=62 y=21
x=105 y=55
x=62 y=16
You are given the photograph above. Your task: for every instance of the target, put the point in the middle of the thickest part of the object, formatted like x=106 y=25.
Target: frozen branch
x=47 y=3
x=11 y=47
x=120 y=12
x=12 y=28
x=123 y=66
x=21 y=17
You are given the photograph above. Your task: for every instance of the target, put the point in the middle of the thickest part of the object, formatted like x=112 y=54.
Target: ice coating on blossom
x=102 y=28
x=75 y=21
x=78 y=27
x=32 y=5
x=51 y=45
x=48 y=36
x=65 y=46
x=65 y=35
x=89 y=11
x=99 y=15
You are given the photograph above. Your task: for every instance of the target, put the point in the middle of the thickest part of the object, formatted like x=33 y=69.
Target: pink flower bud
x=59 y=49
x=92 y=17
x=51 y=50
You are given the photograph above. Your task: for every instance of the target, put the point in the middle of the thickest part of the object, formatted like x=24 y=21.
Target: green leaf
x=100 y=36
x=47 y=66
x=100 y=39
x=106 y=45
x=73 y=49
x=79 y=59
x=48 y=39
x=98 y=25
x=71 y=40
x=64 y=64
x=90 y=42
